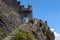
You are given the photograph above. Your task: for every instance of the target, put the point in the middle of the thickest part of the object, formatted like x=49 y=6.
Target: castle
x=10 y=20
x=17 y=7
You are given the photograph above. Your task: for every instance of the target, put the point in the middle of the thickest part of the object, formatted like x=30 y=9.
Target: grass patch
x=23 y=36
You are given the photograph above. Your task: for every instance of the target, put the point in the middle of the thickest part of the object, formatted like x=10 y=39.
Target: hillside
x=12 y=27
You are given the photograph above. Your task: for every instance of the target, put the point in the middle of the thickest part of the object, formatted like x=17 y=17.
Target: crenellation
x=13 y=13
x=30 y=7
x=26 y=12
x=21 y=7
x=17 y=7
x=46 y=23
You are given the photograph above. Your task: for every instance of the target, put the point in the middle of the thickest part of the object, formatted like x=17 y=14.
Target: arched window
x=25 y=19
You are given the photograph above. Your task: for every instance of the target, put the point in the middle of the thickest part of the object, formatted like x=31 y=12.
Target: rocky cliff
x=39 y=30
x=12 y=27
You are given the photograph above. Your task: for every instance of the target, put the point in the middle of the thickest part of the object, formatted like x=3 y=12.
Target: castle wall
x=13 y=4
x=24 y=12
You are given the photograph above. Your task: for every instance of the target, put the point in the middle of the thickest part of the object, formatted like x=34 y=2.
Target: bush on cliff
x=2 y=33
x=23 y=36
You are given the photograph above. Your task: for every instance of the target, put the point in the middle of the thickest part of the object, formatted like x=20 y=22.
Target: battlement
x=29 y=7
x=26 y=12
x=23 y=9
x=17 y=7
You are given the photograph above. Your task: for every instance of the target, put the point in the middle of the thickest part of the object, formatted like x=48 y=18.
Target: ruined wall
x=17 y=7
x=13 y=4
x=9 y=20
x=26 y=12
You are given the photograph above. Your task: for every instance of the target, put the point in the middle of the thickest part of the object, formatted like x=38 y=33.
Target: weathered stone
x=40 y=32
x=9 y=19
x=11 y=16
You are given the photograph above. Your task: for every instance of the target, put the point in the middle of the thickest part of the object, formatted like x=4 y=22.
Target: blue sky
x=46 y=10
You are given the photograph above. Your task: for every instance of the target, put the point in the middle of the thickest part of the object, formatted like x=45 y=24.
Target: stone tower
x=26 y=12
x=18 y=8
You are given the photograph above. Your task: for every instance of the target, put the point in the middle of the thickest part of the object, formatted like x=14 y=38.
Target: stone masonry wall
x=17 y=7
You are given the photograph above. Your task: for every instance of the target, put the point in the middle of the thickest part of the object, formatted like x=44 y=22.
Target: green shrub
x=23 y=36
x=2 y=33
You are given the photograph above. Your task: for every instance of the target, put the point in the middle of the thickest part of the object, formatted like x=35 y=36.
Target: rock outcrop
x=10 y=20
x=39 y=30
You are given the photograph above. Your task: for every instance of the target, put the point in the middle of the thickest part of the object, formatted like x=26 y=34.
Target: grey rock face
x=40 y=30
x=9 y=19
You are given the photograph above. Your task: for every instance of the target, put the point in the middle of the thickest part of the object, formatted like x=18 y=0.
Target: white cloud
x=57 y=36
